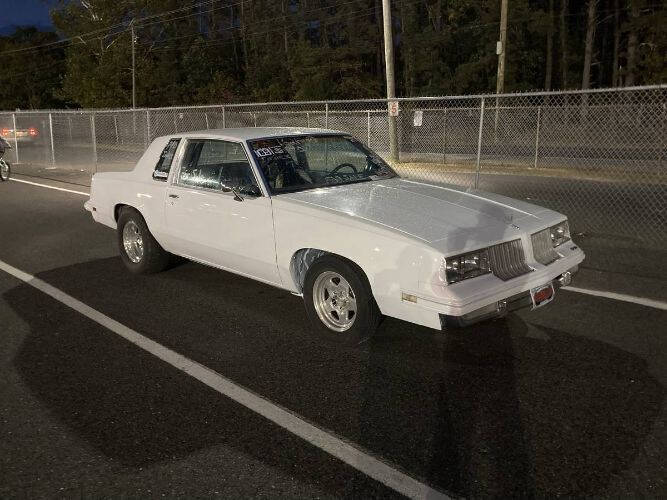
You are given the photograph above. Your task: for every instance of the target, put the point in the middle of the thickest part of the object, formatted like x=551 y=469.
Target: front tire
x=339 y=301
x=5 y=170
x=139 y=250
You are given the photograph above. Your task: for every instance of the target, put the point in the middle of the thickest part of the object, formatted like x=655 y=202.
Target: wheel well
x=304 y=258
x=301 y=261
x=118 y=208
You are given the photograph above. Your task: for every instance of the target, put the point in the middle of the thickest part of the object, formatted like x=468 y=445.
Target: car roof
x=249 y=133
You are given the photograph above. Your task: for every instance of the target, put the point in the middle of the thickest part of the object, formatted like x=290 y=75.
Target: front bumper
x=502 y=307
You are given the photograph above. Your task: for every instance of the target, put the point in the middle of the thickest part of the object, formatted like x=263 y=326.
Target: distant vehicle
x=29 y=134
x=317 y=213
x=5 y=167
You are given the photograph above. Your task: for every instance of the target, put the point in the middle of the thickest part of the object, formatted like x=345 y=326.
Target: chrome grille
x=508 y=260
x=543 y=249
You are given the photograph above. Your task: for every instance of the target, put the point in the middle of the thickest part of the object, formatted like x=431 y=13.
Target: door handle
x=173 y=196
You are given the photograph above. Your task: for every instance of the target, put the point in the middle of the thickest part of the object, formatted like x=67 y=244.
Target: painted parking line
x=598 y=293
x=49 y=186
x=381 y=471
x=656 y=304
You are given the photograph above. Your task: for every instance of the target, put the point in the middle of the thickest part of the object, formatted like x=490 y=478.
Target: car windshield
x=295 y=163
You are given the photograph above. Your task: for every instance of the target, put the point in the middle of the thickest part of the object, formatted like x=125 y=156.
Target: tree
x=590 y=39
x=632 y=44
x=564 y=43
x=617 y=45
x=30 y=79
x=550 y=47
x=266 y=50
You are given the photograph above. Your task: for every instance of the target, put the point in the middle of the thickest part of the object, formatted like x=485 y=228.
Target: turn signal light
x=4 y=131
x=32 y=131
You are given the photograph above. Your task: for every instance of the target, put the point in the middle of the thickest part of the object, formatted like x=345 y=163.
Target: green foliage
x=30 y=80
x=275 y=50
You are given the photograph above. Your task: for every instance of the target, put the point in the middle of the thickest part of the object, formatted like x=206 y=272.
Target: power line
x=80 y=36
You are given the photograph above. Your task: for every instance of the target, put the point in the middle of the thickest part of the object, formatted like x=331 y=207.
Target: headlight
x=468 y=265
x=560 y=233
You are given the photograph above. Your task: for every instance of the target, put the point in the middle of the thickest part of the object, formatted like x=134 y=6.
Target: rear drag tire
x=153 y=257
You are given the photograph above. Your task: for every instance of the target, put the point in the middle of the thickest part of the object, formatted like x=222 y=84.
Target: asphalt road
x=566 y=400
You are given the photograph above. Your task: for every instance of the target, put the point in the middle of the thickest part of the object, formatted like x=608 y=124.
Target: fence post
x=16 y=142
x=308 y=119
x=115 y=126
x=537 y=136
x=94 y=136
x=175 y=123
x=148 y=127
x=368 y=138
x=223 y=118
x=254 y=118
x=444 y=138
x=206 y=118
x=326 y=115
x=662 y=140
x=53 y=152
x=479 y=142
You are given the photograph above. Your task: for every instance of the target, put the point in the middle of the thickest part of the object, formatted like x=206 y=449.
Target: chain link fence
x=598 y=156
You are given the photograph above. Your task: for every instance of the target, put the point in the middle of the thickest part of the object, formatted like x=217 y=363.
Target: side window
x=218 y=165
x=163 y=166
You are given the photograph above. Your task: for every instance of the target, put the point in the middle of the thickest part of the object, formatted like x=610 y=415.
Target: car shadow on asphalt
x=503 y=408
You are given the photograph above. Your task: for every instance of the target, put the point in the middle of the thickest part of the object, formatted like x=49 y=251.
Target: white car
x=317 y=213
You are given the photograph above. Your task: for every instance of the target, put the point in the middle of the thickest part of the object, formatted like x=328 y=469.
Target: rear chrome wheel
x=139 y=250
x=133 y=242
x=335 y=301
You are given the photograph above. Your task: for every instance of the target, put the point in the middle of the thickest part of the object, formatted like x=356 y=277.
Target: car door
x=209 y=222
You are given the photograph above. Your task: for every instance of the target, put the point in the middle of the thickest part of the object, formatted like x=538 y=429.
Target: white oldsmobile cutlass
x=317 y=213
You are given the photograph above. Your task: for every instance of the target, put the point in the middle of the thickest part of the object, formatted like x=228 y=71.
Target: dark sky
x=25 y=12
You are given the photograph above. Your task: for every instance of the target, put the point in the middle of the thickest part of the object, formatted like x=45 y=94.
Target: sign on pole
x=393 y=108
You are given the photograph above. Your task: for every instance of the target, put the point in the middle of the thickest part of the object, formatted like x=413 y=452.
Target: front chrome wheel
x=335 y=301
x=133 y=242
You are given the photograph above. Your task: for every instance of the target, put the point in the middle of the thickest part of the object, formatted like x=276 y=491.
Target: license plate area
x=542 y=295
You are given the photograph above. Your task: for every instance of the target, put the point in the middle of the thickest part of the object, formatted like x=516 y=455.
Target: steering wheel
x=343 y=165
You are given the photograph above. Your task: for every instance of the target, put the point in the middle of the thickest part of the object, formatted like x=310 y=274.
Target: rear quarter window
x=163 y=166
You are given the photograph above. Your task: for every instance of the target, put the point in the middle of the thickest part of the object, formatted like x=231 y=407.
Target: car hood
x=430 y=212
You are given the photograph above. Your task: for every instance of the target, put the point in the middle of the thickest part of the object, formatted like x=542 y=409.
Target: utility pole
x=501 y=49
x=134 y=91
x=389 y=71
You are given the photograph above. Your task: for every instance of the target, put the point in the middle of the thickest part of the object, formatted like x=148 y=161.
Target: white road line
x=49 y=187
x=320 y=438
x=620 y=296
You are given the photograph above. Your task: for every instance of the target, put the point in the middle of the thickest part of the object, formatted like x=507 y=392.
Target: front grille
x=508 y=260
x=543 y=249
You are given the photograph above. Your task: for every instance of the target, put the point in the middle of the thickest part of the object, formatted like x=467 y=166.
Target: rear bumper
x=502 y=307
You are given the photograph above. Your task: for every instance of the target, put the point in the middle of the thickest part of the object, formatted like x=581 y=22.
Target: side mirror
x=250 y=190
x=240 y=191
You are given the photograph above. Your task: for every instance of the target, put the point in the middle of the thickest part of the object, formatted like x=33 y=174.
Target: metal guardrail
x=597 y=155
